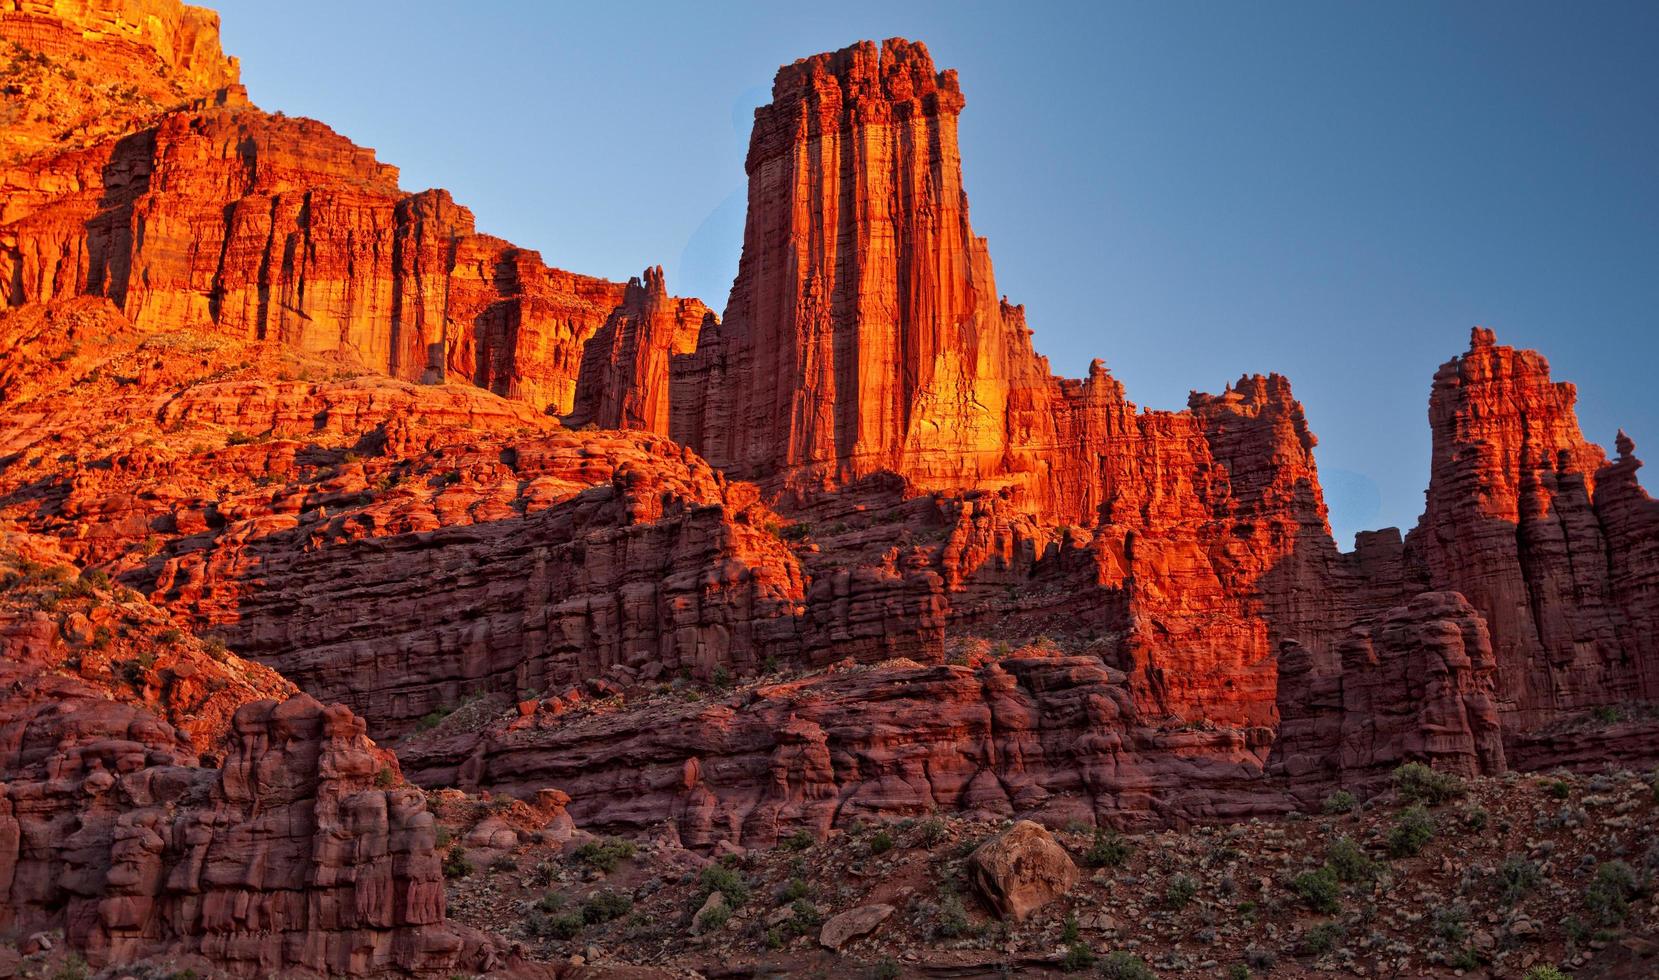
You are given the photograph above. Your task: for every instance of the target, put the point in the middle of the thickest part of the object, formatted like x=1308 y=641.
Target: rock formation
x=1519 y=520
x=624 y=379
x=852 y=551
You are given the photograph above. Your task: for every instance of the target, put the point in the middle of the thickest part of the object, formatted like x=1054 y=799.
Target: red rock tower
x=863 y=332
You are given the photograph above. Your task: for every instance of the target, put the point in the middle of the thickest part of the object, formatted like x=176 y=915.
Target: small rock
x=849 y=925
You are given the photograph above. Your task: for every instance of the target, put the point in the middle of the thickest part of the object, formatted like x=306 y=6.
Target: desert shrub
x=1475 y=818
x=1238 y=971
x=1321 y=890
x=1545 y=973
x=1180 y=891
x=456 y=864
x=565 y=926
x=1517 y=876
x=1341 y=801
x=604 y=906
x=886 y=969
x=803 y=917
x=605 y=854
x=800 y=840
x=795 y=532
x=1322 y=938
x=949 y=919
x=505 y=864
x=1078 y=957
x=1125 y=966
x=1349 y=861
x=1464 y=959
x=1107 y=850
x=730 y=884
x=881 y=843
x=1259 y=959
x=1071 y=932
x=385 y=777
x=1608 y=897
x=1411 y=831
x=797 y=888
x=1417 y=782
x=931 y=832
x=1558 y=789
x=1451 y=922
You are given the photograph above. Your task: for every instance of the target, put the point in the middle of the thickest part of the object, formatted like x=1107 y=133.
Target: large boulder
x=1021 y=870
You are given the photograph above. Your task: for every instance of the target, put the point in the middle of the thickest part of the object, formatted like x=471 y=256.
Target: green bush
x=931 y=832
x=1125 y=966
x=605 y=854
x=1451 y=922
x=1321 y=890
x=1107 y=850
x=1417 y=782
x=1071 y=932
x=800 y=840
x=1322 y=938
x=1610 y=892
x=1516 y=877
x=886 y=969
x=730 y=884
x=881 y=843
x=1078 y=957
x=1411 y=831
x=1179 y=892
x=797 y=888
x=1558 y=789
x=604 y=906
x=1341 y=801
x=456 y=864
x=1545 y=973
x=563 y=927
x=1349 y=861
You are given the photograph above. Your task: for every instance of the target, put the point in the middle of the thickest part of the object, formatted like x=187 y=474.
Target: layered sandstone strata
x=80 y=70
x=1546 y=538
x=624 y=382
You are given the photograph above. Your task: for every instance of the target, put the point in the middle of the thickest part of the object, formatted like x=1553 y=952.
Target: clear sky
x=1335 y=191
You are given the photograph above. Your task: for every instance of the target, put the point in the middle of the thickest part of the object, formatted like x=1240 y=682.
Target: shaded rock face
x=1419 y=683
x=289 y=858
x=1052 y=738
x=1549 y=541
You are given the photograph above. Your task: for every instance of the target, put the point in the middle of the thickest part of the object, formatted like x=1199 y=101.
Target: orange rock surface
x=850 y=551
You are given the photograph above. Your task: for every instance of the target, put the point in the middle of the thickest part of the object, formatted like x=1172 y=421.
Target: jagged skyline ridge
x=1496 y=181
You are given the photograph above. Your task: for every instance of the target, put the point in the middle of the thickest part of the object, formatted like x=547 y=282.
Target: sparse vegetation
x=1321 y=890
x=800 y=840
x=606 y=854
x=1078 y=956
x=1419 y=783
x=1107 y=850
x=881 y=842
x=1412 y=830
x=1349 y=862
x=603 y=906
x=456 y=864
x=1610 y=892
x=726 y=881
x=1120 y=965
x=1322 y=938
x=1180 y=891
x=1339 y=802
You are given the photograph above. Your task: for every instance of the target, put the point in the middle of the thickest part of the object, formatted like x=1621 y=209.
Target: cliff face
x=247 y=378
x=87 y=69
x=1547 y=539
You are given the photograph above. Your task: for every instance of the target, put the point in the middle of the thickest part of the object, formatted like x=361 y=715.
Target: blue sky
x=1335 y=191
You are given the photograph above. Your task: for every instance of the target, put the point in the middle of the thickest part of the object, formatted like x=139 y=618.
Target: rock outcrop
x=304 y=853
x=85 y=70
x=1519 y=520
x=624 y=379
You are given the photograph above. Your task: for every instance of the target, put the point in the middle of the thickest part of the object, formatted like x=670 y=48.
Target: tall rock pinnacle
x=863 y=331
